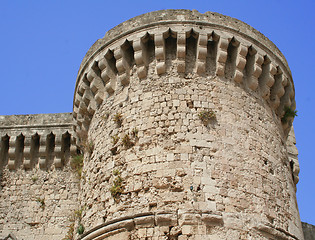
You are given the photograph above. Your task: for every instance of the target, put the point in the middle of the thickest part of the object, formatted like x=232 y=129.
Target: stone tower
x=184 y=121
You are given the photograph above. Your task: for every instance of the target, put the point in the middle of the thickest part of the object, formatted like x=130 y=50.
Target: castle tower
x=184 y=120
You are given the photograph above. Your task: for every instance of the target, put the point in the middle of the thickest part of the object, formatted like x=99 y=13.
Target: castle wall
x=309 y=231
x=39 y=189
x=181 y=121
x=185 y=169
x=38 y=204
x=159 y=167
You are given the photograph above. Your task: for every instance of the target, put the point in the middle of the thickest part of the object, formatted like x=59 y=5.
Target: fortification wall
x=40 y=203
x=309 y=231
x=39 y=190
x=183 y=121
x=162 y=167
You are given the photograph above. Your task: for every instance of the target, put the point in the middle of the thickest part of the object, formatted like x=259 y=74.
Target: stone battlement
x=39 y=139
x=188 y=44
x=181 y=129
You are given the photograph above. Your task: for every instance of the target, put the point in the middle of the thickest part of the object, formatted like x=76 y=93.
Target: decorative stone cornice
x=235 y=50
x=31 y=140
x=151 y=219
x=113 y=227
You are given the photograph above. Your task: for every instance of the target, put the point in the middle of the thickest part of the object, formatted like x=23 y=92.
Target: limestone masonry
x=181 y=129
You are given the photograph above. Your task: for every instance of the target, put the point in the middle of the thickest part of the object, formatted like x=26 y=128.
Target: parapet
x=206 y=45
x=43 y=139
x=183 y=122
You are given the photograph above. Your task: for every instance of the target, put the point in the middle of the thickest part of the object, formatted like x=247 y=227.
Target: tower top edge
x=16 y=121
x=182 y=16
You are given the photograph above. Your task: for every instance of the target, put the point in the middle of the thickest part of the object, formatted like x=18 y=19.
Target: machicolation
x=181 y=129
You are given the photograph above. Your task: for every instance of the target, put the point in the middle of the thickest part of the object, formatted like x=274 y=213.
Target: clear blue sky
x=43 y=43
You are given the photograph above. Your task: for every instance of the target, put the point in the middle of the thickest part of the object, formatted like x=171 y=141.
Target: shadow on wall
x=9 y=237
x=308 y=231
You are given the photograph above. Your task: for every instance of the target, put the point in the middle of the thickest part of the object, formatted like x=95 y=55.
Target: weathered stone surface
x=192 y=43
x=40 y=140
x=180 y=118
x=38 y=188
x=231 y=176
x=309 y=231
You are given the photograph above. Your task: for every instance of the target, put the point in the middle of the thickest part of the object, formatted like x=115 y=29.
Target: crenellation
x=254 y=69
x=177 y=132
x=78 y=99
x=235 y=58
x=124 y=61
x=286 y=99
x=89 y=99
x=58 y=154
x=277 y=90
x=201 y=62
x=27 y=155
x=181 y=51
x=93 y=79
x=76 y=106
x=159 y=41
x=140 y=47
x=266 y=79
x=11 y=153
x=99 y=96
x=201 y=53
x=109 y=75
x=222 y=54
x=42 y=152
x=98 y=85
x=83 y=108
x=50 y=150
x=4 y=149
x=36 y=143
x=102 y=64
x=64 y=149
x=211 y=54
x=36 y=179
x=240 y=62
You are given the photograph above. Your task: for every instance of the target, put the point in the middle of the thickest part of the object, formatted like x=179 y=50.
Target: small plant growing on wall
x=78 y=213
x=69 y=235
x=206 y=116
x=75 y=216
x=126 y=141
x=288 y=113
x=78 y=216
x=117 y=188
x=134 y=133
x=77 y=164
x=115 y=139
x=116 y=172
x=80 y=229
x=34 y=178
x=118 y=119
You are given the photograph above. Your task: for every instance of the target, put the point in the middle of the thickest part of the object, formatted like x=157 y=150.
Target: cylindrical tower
x=183 y=118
